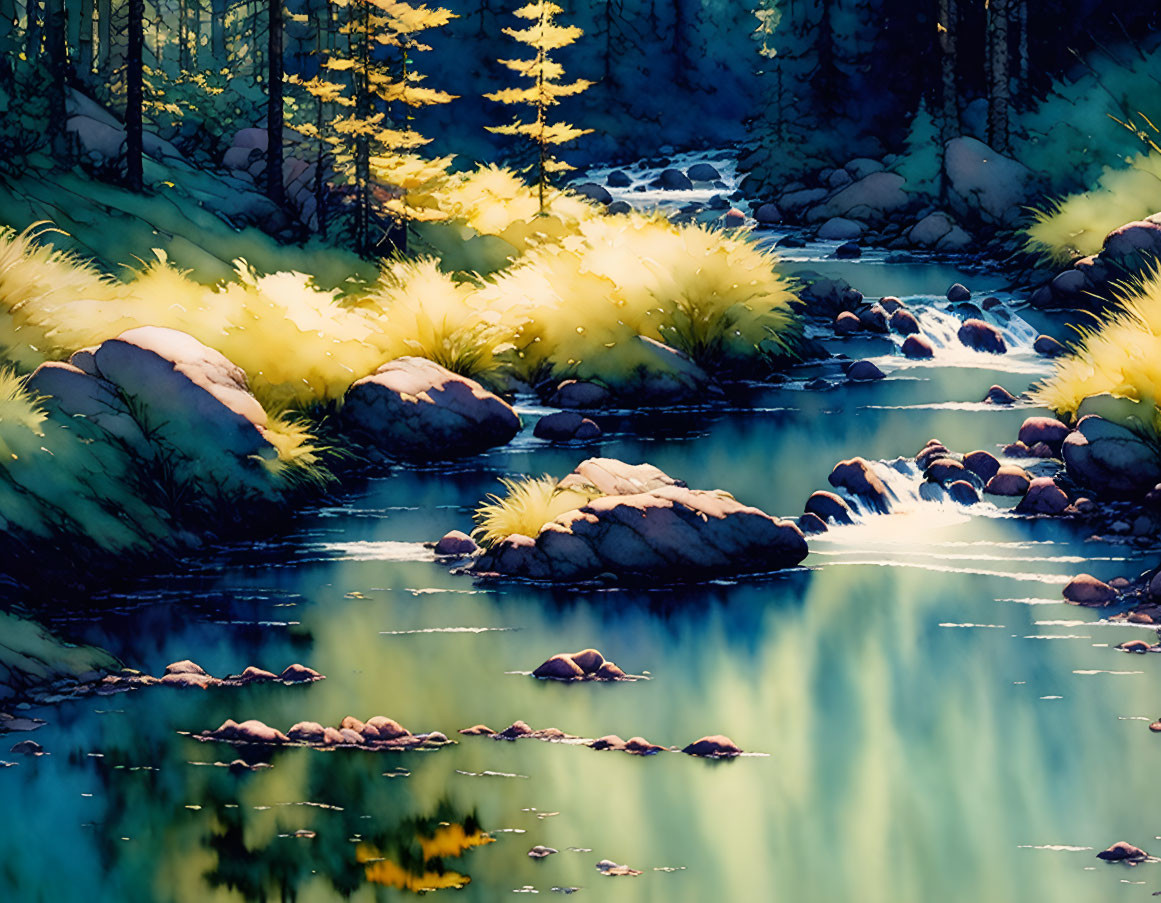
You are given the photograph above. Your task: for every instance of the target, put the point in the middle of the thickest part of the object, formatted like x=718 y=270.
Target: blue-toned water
x=934 y=723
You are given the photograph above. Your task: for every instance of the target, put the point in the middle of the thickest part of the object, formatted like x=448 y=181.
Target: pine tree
x=922 y=163
x=372 y=143
x=543 y=36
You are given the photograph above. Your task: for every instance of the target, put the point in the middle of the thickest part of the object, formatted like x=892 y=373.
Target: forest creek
x=721 y=515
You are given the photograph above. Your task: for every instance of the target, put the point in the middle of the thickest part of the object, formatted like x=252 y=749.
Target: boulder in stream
x=1085 y=589
x=858 y=477
x=646 y=525
x=457 y=544
x=1110 y=459
x=918 y=348
x=1123 y=851
x=1048 y=430
x=1043 y=497
x=829 y=507
x=715 y=746
x=414 y=408
x=1008 y=480
x=981 y=336
x=999 y=395
x=566 y=426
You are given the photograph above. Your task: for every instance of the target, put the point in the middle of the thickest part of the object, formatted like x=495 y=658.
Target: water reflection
x=938 y=724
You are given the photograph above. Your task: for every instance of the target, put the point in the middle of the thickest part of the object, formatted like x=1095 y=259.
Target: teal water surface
x=932 y=722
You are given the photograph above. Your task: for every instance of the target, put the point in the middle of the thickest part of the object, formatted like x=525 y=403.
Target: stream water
x=933 y=722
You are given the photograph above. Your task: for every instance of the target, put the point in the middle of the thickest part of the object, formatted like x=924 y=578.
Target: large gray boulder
x=414 y=408
x=870 y=199
x=165 y=395
x=1110 y=459
x=647 y=526
x=985 y=183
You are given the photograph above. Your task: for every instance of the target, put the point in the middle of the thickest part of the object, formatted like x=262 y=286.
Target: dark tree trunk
x=218 y=31
x=135 y=95
x=680 y=46
x=948 y=94
x=999 y=92
x=32 y=29
x=827 y=76
x=85 y=41
x=274 y=187
x=104 y=38
x=56 y=53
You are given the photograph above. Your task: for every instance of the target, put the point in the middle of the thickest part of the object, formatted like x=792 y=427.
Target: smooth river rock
x=1110 y=459
x=412 y=407
x=1085 y=589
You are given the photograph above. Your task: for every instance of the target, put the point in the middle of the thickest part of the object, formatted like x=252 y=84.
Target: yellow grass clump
x=579 y=301
x=528 y=504
x=1077 y=225
x=1121 y=356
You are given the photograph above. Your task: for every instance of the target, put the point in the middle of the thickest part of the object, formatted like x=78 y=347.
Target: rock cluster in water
x=192 y=675
x=646 y=525
x=710 y=747
x=588 y=664
x=378 y=733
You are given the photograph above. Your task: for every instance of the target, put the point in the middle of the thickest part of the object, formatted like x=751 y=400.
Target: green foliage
x=24 y=113
x=216 y=101
x=527 y=505
x=545 y=92
x=1074 y=135
x=921 y=164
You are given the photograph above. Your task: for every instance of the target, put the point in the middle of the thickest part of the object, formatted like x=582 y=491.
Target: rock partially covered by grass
x=412 y=407
x=181 y=411
x=630 y=521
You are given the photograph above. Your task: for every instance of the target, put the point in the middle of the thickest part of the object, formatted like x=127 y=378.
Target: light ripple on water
x=1028 y=578
x=368 y=550
x=1097 y=671
x=446 y=630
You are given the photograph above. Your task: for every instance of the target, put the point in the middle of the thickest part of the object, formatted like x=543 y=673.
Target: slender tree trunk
x=218 y=32
x=32 y=26
x=949 y=95
x=680 y=47
x=362 y=143
x=998 y=88
x=275 y=190
x=827 y=76
x=135 y=95
x=104 y=38
x=1022 y=50
x=56 y=52
x=85 y=47
x=7 y=22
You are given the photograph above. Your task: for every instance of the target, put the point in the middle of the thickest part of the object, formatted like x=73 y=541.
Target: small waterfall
x=941 y=326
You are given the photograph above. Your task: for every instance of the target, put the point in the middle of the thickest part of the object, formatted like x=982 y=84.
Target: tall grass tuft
x=580 y=301
x=420 y=310
x=528 y=504
x=1076 y=226
x=1121 y=356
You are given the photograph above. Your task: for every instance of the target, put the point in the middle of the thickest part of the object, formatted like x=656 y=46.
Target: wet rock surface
x=413 y=407
x=378 y=733
x=710 y=747
x=588 y=664
x=190 y=675
x=646 y=524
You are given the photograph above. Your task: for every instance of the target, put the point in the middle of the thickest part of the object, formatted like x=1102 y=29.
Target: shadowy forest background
x=814 y=81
